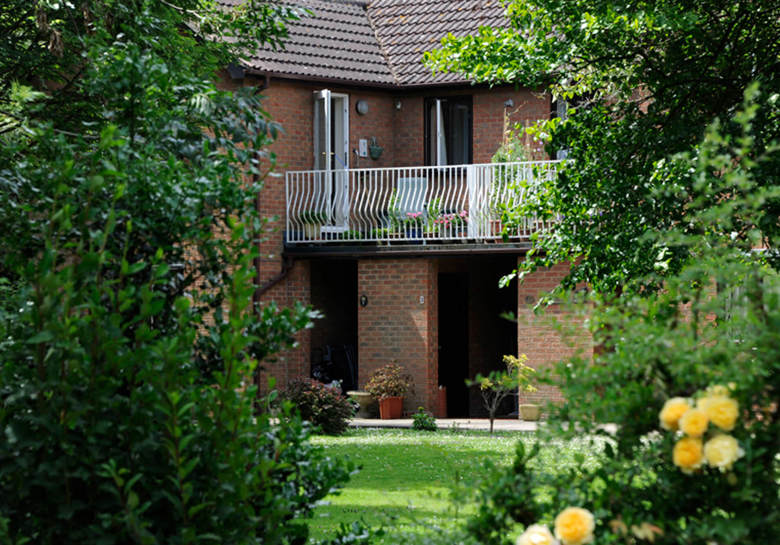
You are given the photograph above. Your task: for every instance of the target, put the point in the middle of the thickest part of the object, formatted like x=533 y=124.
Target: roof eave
x=369 y=84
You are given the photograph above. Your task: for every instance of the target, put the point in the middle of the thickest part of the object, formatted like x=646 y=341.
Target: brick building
x=399 y=247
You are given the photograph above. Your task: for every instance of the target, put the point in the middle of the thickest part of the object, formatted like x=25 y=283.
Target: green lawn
x=406 y=476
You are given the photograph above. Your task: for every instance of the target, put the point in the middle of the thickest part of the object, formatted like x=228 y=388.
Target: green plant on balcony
x=380 y=232
x=350 y=234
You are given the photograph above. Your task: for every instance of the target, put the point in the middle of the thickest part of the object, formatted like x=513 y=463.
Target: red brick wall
x=409 y=132
x=489 y=110
x=537 y=336
x=395 y=327
x=292 y=363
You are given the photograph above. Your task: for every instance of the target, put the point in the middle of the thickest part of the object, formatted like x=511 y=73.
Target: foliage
x=356 y=533
x=422 y=420
x=130 y=340
x=644 y=80
x=688 y=376
x=497 y=385
x=390 y=380
x=323 y=406
x=512 y=148
x=510 y=151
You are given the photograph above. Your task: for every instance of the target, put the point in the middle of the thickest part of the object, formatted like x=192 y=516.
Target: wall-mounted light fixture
x=362 y=107
x=363 y=300
x=509 y=103
x=398 y=104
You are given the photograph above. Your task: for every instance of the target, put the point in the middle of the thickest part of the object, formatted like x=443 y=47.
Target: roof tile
x=372 y=41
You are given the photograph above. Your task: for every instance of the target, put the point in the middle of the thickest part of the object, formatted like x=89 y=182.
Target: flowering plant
x=714 y=406
x=573 y=526
x=391 y=380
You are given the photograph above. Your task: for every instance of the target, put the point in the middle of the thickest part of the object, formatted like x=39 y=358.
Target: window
x=448 y=127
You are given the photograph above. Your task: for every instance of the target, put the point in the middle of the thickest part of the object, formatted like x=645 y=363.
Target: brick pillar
x=400 y=323
x=538 y=338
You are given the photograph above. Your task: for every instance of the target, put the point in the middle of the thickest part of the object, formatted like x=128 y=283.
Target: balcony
x=418 y=205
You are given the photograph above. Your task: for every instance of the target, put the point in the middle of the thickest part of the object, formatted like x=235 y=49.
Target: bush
x=690 y=377
x=129 y=338
x=423 y=420
x=321 y=405
x=390 y=380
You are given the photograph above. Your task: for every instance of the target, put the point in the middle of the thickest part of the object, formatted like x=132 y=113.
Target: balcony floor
x=402 y=249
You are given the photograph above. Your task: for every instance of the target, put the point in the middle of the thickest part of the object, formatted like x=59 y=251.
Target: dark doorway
x=454 y=341
x=490 y=335
x=334 y=337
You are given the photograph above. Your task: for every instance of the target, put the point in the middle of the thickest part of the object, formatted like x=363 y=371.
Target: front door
x=331 y=156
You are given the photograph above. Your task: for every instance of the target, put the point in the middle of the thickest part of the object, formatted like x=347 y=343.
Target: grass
x=407 y=476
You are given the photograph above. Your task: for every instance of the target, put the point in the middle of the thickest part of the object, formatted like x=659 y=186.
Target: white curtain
x=441 y=143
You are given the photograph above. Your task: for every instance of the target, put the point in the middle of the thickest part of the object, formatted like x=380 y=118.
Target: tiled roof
x=376 y=42
x=335 y=43
x=408 y=28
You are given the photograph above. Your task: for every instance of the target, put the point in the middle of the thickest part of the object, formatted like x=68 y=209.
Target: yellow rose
x=694 y=422
x=687 y=454
x=574 y=526
x=721 y=410
x=672 y=411
x=722 y=451
x=719 y=390
x=536 y=534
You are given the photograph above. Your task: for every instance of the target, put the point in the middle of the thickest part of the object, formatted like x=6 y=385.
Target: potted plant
x=366 y=403
x=388 y=385
x=529 y=412
x=374 y=149
x=312 y=220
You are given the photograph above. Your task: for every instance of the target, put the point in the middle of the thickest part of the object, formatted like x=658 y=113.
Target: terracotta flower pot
x=391 y=408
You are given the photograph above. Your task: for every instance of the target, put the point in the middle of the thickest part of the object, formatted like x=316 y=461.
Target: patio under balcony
x=406 y=207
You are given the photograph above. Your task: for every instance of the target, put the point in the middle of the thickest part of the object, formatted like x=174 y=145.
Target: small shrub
x=423 y=420
x=498 y=385
x=390 y=380
x=321 y=405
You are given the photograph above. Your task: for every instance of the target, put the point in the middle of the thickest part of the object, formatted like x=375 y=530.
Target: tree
x=498 y=385
x=129 y=336
x=645 y=80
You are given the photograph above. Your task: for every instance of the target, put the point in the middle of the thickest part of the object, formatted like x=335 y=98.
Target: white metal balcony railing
x=414 y=204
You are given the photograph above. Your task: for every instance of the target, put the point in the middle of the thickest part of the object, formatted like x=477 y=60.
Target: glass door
x=331 y=156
